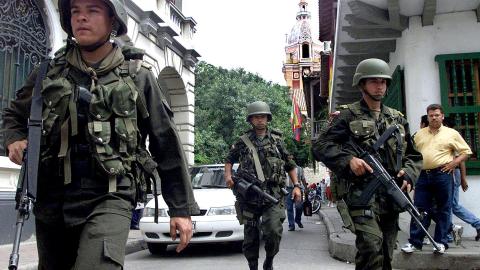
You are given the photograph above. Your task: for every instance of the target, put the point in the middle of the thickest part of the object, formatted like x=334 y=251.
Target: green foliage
x=221 y=98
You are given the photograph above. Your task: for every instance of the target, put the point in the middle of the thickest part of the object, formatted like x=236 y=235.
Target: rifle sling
x=256 y=160
x=35 y=131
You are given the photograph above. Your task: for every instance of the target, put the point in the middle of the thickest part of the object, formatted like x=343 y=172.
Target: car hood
x=205 y=198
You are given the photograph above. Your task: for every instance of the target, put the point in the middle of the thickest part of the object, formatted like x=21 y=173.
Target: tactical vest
x=270 y=159
x=366 y=131
x=109 y=129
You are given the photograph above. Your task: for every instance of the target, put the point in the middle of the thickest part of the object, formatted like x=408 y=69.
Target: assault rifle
x=27 y=182
x=246 y=184
x=23 y=205
x=380 y=176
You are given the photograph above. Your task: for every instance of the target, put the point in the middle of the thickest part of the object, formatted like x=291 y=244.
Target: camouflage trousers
x=99 y=243
x=272 y=218
x=375 y=242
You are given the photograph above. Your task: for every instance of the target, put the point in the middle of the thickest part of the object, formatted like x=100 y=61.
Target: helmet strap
x=94 y=46
x=372 y=97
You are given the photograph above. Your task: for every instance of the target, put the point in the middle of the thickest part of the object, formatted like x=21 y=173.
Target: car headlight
x=150 y=212
x=219 y=211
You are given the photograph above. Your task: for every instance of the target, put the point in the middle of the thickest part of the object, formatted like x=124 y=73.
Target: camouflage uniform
x=274 y=160
x=375 y=224
x=84 y=205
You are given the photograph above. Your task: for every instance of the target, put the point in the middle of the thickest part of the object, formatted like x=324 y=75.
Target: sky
x=246 y=33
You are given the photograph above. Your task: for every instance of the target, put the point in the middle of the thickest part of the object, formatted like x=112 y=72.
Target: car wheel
x=156 y=248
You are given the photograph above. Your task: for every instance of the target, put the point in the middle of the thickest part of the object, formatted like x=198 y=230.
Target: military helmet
x=371 y=68
x=117 y=8
x=258 y=107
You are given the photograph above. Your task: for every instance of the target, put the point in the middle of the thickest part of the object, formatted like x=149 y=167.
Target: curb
x=338 y=247
x=341 y=245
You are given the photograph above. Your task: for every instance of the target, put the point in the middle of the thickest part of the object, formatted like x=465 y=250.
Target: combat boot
x=268 y=263
x=253 y=265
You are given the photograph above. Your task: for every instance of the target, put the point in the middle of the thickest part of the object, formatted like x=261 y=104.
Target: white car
x=217 y=221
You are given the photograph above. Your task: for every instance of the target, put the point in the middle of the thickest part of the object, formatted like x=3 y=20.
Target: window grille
x=460 y=97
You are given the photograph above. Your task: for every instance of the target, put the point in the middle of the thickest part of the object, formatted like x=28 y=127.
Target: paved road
x=302 y=249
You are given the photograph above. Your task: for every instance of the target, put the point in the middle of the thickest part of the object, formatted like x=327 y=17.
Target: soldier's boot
x=268 y=263
x=253 y=265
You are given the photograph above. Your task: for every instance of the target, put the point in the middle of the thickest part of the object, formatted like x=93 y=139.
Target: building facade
x=301 y=69
x=30 y=31
x=433 y=49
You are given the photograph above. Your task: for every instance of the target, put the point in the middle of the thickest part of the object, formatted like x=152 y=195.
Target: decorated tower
x=301 y=68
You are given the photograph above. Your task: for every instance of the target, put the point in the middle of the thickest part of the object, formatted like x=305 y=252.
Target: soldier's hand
x=15 y=151
x=229 y=181
x=406 y=185
x=297 y=194
x=184 y=227
x=359 y=166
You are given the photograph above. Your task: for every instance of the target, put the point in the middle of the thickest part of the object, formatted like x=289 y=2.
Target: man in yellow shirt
x=443 y=149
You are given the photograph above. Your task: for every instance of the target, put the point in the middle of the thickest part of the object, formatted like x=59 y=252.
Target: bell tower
x=301 y=67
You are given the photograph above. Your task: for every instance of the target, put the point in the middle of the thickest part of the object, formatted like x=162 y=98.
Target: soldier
x=99 y=106
x=376 y=223
x=264 y=146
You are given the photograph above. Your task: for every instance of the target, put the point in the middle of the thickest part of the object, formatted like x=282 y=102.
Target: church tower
x=301 y=67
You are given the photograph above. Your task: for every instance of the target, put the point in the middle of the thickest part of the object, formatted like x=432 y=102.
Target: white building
x=30 y=30
x=433 y=47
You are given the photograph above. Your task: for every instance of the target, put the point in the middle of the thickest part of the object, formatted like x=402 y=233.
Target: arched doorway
x=24 y=43
x=178 y=96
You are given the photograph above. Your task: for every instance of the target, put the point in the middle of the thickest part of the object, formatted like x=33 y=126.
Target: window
x=305 y=51
x=460 y=94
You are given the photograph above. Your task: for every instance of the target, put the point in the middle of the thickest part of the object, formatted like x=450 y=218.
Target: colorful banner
x=296 y=119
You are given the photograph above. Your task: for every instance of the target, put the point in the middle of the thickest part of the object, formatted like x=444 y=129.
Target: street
x=305 y=248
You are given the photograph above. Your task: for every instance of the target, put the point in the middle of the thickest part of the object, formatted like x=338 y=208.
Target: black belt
x=435 y=170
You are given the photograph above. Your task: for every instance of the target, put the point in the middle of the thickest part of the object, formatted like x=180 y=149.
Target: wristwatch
x=296 y=185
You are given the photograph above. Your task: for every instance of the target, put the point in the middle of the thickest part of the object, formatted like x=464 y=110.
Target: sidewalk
x=342 y=246
x=29 y=256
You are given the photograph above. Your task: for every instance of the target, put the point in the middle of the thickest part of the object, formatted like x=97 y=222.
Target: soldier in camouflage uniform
x=274 y=162
x=376 y=223
x=99 y=105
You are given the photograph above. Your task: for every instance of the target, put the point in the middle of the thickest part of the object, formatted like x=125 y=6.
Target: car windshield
x=208 y=178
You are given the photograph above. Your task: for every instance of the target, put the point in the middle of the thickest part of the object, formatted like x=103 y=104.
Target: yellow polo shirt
x=440 y=148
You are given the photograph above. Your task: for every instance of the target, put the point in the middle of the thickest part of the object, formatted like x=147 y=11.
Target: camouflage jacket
x=74 y=202
x=356 y=123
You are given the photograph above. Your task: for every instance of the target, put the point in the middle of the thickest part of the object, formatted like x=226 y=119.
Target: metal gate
x=24 y=43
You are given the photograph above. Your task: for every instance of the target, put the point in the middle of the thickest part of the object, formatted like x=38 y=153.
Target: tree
x=221 y=98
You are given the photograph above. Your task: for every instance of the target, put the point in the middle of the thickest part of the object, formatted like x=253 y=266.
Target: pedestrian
x=323 y=188
x=460 y=180
x=294 y=208
x=375 y=223
x=328 y=191
x=99 y=107
x=264 y=146
x=443 y=149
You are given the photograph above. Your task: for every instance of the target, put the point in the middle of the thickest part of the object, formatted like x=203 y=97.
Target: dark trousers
x=99 y=243
x=433 y=185
x=376 y=237
x=293 y=211
x=271 y=226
